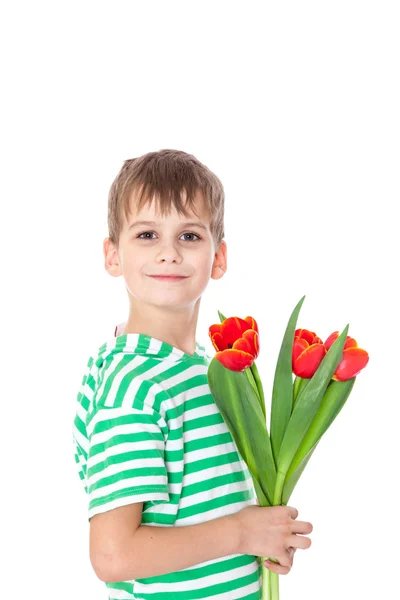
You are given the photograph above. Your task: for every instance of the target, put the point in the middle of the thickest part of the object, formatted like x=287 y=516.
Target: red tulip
x=236 y=341
x=308 y=352
x=354 y=358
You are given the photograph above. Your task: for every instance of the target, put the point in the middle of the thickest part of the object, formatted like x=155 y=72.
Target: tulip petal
x=332 y=338
x=218 y=341
x=233 y=328
x=252 y=323
x=309 y=360
x=299 y=345
x=305 y=334
x=229 y=333
x=235 y=360
x=354 y=359
x=350 y=343
x=252 y=338
x=216 y=327
x=244 y=345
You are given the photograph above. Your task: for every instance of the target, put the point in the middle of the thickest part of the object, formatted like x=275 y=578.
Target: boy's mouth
x=169 y=277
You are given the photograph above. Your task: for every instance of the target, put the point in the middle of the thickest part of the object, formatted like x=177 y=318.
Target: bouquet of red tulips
x=301 y=409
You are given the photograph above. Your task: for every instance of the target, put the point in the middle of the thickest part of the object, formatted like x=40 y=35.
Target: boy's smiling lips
x=169 y=277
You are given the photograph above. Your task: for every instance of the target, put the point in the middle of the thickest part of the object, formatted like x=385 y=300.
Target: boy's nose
x=169 y=256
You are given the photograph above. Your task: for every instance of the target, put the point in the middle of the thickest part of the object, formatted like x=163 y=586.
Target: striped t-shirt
x=147 y=429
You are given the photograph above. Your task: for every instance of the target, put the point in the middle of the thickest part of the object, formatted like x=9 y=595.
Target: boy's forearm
x=156 y=550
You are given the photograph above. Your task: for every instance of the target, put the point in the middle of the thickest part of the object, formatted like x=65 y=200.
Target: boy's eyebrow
x=188 y=224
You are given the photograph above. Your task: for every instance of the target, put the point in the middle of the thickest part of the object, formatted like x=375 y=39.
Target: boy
x=172 y=507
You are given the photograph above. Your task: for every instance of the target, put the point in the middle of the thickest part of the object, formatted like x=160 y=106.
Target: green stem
x=266 y=583
x=270 y=580
x=251 y=376
x=298 y=385
x=280 y=480
x=270 y=583
x=274 y=586
x=252 y=382
x=257 y=380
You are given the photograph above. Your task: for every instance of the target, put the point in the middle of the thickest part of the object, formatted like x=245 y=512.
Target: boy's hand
x=272 y=532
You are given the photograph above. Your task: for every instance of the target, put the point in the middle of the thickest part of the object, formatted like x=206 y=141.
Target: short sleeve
x=126 y=457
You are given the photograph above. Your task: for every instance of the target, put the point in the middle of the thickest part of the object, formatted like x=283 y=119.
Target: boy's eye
x=187 y=233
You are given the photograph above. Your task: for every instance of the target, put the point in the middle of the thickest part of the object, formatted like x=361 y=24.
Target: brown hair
x=164 y=175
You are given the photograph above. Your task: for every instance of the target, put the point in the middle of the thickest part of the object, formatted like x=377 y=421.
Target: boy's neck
x=177 y=328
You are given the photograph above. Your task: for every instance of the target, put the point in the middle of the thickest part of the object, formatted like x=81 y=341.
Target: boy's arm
x=122 y=549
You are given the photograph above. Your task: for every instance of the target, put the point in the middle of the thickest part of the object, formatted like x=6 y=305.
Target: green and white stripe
x=147 y=430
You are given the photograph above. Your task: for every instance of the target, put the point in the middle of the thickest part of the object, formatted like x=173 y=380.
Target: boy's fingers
x=277 y=568
x=294 y=513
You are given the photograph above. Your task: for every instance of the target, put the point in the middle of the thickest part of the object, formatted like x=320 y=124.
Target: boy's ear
x=220 y=263
x=111 y=258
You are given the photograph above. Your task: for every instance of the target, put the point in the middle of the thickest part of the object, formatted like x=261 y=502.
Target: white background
x=295 y=106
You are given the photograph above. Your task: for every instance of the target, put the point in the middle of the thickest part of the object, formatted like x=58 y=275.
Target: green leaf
x=261 y=497
x=331 y=405
x=307 y=405
x=282 y=392
x=221 y=316
x=293 y=478
x=240 y=408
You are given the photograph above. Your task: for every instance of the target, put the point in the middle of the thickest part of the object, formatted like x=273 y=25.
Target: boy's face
x=169 y=246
